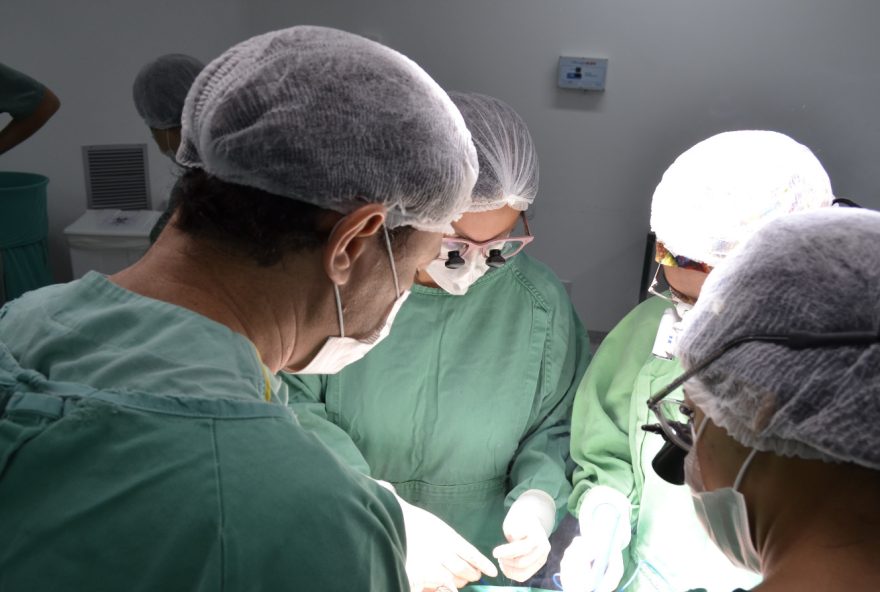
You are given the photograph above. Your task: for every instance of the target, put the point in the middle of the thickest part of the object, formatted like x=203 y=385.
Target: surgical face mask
x=669 y=330
x=681 y=307
x=339 y=352
x=660 y=286
x=723 y=512
x=457 y=281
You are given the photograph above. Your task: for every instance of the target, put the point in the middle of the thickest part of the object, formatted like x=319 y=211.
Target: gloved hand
x=437 y=556
x=527 y=528
x=582 y=561
x=594 y=561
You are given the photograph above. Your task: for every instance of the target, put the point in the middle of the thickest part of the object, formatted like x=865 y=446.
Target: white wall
x=679 y=71
x=88 y=53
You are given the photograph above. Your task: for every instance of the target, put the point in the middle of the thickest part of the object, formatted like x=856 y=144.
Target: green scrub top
x=20 y=95
x=138 y=452
x=669 y=551
x=466 y=404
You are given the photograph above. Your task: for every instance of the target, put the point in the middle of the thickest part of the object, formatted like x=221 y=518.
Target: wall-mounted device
x=582 y=73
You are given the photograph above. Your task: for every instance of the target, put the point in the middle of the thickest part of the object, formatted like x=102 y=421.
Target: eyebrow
x=497 y=236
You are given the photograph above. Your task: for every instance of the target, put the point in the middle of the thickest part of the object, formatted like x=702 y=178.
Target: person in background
x=638 y=531
x=782 y=403
x=145 y=440
x=464 y=410
x=29 y=103
x=159 y=91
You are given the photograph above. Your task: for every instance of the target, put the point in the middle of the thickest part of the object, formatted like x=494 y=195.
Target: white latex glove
x=594 y=561
x=580 y=563
x=437 y=557
x=527 y=528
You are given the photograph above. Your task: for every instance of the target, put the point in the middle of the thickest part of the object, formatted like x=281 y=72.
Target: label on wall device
x=583 y=73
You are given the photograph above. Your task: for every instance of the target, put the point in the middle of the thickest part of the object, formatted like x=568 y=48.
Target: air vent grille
x=117 y=177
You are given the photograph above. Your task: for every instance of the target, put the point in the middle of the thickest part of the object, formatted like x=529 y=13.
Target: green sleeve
x=20 y=95
x=600 y=438
x=307 y=398
x=543 y=461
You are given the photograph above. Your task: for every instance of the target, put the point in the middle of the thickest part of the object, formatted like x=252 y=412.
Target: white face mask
x=681 y=307
x=339 y=352
x=670 y=329
x=457 y=281
x=723 y=512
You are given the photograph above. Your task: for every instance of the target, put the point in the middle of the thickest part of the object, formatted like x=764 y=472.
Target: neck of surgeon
x=261 y=303
x=814 y=524
x=818 y=524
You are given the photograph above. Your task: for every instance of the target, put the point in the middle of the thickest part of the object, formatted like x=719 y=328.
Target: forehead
x=483 y=226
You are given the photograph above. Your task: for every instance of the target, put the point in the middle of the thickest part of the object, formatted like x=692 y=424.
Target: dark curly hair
x=251 y=222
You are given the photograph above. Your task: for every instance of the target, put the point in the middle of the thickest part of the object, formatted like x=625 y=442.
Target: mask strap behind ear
x=339 y=310
x=698 y=433
x=391 y=258
x=336 y=288
x=742 y=471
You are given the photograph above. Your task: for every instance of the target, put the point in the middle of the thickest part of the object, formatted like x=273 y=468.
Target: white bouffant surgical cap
x=722 y=190
x=335 y=120
x=160 y=89
x=507 y=156
x=815 y=274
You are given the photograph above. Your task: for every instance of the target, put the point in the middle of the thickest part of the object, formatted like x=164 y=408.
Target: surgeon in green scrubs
x=145 y=442
x=713 y=197
x=464 y=410
x=790 y=491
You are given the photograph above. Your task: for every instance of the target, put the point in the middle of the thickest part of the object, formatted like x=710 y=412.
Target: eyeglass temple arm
x=845 y=202
x=843 y=338
x=653 y=401
x=798 y=340
x=526 y=223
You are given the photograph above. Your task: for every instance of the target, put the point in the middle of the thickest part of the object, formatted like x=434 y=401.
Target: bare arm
x=20 y=129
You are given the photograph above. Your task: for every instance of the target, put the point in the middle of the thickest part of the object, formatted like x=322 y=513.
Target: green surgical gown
x=669 y=550
x=138 y=452
x=466 y=404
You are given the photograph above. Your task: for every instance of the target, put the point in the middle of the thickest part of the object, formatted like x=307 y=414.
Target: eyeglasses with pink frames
x=496 y=251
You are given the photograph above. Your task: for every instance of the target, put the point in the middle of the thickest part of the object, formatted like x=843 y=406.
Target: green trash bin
x=24 y=230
